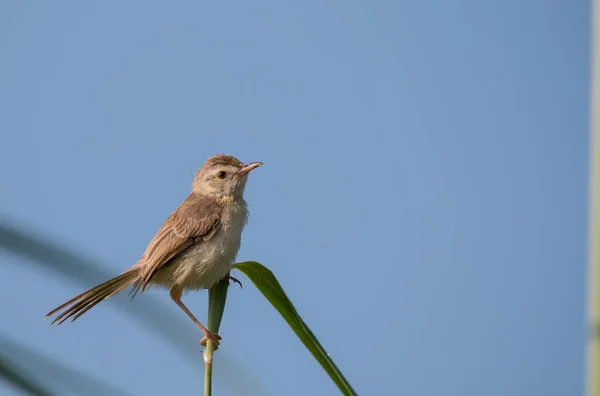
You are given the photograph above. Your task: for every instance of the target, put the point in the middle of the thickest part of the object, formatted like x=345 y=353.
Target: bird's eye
x=222 y=175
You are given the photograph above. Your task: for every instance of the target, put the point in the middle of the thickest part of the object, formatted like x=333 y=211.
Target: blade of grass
x=268 y=285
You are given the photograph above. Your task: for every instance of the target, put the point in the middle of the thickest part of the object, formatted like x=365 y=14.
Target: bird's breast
x=207 y=262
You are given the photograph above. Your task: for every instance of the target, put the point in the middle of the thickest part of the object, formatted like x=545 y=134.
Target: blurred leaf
x=13 y=376
x=26 y=369
x=148 y=310
x=173 y=327
x=268 y=285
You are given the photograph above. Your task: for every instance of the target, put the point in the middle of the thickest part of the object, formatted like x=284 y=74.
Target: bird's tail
x=82 y=303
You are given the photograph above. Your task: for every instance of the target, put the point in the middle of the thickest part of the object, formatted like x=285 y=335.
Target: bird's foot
x=231 y=278
x=210 y=336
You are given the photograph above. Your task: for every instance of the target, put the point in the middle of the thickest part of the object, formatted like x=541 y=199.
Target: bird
x=194 y=249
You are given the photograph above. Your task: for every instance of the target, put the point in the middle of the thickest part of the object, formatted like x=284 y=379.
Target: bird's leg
x=176 y=293
x=231 y=278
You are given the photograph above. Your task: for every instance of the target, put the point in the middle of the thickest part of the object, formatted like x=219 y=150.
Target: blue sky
x=423 y=199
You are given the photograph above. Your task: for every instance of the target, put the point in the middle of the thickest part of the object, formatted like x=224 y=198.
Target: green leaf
x=268 y=285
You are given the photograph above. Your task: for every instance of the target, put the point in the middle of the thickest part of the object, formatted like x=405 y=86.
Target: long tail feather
x=83 y=302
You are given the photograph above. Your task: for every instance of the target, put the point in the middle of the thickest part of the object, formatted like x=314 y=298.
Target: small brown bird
x=194 y=249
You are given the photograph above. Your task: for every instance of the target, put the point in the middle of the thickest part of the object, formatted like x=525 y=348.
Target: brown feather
x=195 y=221
x=81 y=303
x=197 y=218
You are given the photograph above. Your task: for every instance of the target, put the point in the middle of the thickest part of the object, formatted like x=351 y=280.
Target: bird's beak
x=250 y=166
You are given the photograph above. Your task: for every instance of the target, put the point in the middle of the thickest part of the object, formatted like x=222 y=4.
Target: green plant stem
x=593 y=345
x=217 y=295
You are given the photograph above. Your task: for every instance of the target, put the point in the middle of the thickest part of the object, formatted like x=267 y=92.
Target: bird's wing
x=196 y=219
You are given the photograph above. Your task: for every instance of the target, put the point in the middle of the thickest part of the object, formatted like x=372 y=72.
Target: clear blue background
x=423 y=199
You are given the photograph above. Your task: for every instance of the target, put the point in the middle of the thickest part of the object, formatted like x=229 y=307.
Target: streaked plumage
x=195 y=247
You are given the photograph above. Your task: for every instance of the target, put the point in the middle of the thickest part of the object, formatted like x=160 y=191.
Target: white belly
x=207 y=262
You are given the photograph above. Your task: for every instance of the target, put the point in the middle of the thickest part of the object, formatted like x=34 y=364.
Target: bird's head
x=223 y=176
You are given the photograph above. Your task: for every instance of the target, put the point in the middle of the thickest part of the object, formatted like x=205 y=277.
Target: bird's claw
x=231 y=278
